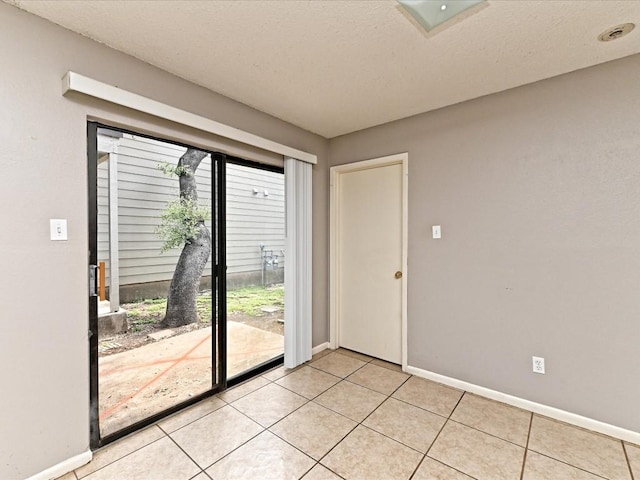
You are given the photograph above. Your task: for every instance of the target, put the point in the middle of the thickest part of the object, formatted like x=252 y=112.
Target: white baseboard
x=555 y=413
x=319 y=348
x=64 y=467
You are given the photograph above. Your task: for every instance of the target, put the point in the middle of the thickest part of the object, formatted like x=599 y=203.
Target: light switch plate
x=58 y=229
x=437 y=233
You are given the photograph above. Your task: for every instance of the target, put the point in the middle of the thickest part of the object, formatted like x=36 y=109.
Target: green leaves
x=179 y=223
x=170 y=169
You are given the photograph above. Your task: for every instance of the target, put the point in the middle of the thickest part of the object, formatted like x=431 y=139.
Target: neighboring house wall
x=537 y=190
x=254 y=219
x=144 y=191
x=44 y=409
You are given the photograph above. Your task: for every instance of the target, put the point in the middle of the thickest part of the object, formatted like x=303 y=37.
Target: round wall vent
x=616 y=32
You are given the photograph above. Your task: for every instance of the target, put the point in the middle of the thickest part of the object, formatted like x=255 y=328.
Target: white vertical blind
x=297 y=271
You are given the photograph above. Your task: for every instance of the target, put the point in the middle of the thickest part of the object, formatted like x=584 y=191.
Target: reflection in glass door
x=255 y=256
x=153 y=322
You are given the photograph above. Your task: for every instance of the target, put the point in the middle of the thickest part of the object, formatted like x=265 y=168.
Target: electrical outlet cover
x=538 y=364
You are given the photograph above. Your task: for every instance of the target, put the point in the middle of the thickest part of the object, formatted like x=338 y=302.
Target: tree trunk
x=185 y=284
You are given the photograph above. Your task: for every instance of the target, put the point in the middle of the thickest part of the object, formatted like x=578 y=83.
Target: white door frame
x=334 y=234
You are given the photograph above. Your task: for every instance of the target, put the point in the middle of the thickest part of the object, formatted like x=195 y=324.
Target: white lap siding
x=144 y=191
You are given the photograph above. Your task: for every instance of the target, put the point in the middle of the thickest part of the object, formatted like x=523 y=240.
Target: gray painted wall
x=44 y=417
x=537 y=190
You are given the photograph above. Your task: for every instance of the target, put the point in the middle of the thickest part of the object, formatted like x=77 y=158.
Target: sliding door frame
x=219 y=300
x=218 y=343
x=279 y=359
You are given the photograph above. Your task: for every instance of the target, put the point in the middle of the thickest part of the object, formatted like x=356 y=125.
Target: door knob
x=398 y=275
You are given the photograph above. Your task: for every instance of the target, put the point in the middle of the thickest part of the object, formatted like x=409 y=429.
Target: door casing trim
x=334 y=235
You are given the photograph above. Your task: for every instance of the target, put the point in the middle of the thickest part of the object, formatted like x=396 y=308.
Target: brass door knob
x=398 y=275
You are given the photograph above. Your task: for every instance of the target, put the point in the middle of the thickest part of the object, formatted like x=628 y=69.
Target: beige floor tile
x=352 y=354
x=338 y=365
x=246 y=388
x=539 y=467
x=477 y=454
x=308 y=382
x=320 y=472
x=377 y=378
x=201 y=476
x=405 y=423
x=432 y=396
x=119 y=449
x=269 y=404
x=587 y=450
x=278 y=373
x=366 y=454
x=431 y=469
x=191 y=414
x=215 y=435
x=321 y=354
x=389 y=365
x=633 y=452
x=350 y=400
x=313 y=429
x=265 y=457
x=504 y=421
x=158 y=460
x=68 y=476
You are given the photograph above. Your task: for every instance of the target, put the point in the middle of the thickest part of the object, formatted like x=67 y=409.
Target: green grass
x=247 y=300
x=204 y=306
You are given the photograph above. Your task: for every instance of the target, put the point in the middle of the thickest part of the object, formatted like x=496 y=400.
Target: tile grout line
x=626 y=456
x=316 y=396
x=157 y=424
x=317 y=462
x=388 y=396
x=361 y=423
x=242 y=384
x=226 y=403
x=487 y=433
x=533 y=415
x=264 y=429
x=421 y=408
x=381 y=403
x=124 y=456
x=435 y=439
x=357 y=424
x=526 y=448
x=201 y=472
x=183 y=450
x=570 y=465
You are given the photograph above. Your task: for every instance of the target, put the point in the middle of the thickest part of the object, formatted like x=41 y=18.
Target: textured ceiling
x=333 y=67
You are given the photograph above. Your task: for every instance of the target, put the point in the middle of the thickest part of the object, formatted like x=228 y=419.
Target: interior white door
x=369 y=261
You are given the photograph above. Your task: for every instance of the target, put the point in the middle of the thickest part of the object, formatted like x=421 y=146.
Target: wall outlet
x=538 y=364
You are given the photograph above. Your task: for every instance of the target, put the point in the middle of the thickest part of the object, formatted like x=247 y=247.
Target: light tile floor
x=347 y=416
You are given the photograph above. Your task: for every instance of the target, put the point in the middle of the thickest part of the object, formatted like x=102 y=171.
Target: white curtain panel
x=297 y=268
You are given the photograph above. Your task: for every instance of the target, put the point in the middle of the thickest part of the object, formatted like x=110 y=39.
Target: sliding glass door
x=255 y=236
x=154 y=336
x=186 y=256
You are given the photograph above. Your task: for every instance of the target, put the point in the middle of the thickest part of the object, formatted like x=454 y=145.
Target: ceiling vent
x=616 y=32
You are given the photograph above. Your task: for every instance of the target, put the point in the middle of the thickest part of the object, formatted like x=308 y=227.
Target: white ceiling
x=334 y=67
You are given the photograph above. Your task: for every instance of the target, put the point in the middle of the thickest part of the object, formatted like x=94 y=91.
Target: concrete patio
x=140 y=382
